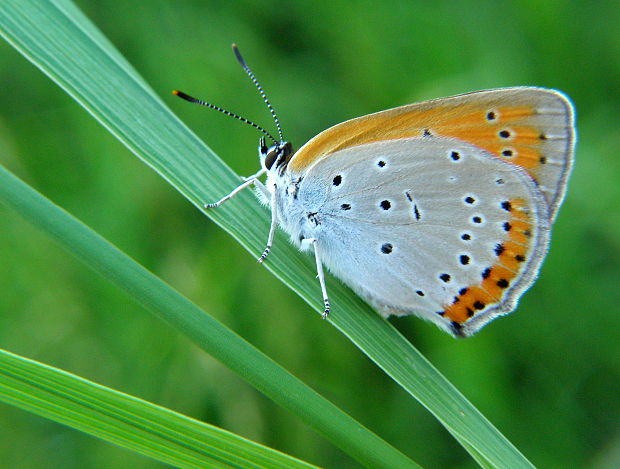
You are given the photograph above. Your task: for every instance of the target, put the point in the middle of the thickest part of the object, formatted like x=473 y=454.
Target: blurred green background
x=548 y=375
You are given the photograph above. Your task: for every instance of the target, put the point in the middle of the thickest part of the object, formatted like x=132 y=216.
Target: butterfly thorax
x=299 y=217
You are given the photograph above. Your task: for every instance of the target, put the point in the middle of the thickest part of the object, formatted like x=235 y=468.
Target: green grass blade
x=64 y=45
x=127 y=421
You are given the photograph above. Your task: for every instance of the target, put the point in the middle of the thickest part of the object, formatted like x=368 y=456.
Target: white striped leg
x=320 y=275
x=272 y=228
x=256 y=175
x=247 y=182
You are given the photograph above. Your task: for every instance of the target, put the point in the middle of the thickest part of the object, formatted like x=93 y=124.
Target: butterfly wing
x=532 y=128
x=421 y=213
x=429 y=226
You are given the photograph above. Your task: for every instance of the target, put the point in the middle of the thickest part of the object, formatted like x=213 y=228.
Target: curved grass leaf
x=129 y=422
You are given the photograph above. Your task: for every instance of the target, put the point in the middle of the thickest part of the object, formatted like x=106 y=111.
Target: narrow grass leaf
x=129 y=422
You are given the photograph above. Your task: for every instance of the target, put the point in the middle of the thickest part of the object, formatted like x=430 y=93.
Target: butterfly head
x=276 y=156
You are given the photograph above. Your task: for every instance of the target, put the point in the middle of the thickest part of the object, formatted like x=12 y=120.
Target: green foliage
x=544 y=375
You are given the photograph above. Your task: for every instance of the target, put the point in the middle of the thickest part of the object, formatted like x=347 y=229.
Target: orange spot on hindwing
x=497 y=279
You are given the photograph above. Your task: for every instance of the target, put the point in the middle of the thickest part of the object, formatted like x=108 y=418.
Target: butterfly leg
x=320 y=275
x=251 y=180
x=256 y=175
x=272 y=228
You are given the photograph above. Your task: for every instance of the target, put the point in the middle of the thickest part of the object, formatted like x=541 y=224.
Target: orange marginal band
x=498 y=128
x=496 y=279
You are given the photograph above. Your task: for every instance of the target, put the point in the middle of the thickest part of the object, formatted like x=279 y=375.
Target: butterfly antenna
x=191 y=99
x=259 y=88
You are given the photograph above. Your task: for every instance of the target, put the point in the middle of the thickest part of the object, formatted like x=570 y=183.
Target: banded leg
x=320 y=275
x=247 y=182
x=272 y=228
x=256 y=175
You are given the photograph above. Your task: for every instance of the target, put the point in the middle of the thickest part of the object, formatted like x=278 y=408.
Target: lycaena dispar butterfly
x=441 y=209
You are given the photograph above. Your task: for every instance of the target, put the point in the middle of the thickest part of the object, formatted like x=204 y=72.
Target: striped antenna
x=259 y=88
x=191 y=99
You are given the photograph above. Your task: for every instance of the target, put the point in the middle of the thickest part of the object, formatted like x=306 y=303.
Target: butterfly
x=442 y=209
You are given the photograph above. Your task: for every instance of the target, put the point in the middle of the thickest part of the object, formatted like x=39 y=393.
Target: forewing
x=531 y=128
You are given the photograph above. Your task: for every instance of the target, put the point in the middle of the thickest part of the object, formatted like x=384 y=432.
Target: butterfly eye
x=271 y=158
x=277 y=155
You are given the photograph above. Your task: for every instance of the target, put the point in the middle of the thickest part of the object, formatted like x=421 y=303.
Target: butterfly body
x=442 y=209
x=418 y=221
